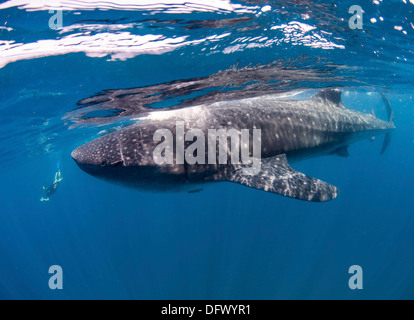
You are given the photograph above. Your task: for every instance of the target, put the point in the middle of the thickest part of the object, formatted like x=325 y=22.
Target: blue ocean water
x=228 y=241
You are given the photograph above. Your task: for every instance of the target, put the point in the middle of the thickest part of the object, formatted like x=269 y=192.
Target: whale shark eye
x=103 y=163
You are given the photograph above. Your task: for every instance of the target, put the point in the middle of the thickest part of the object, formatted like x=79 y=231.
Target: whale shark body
x=289 y=129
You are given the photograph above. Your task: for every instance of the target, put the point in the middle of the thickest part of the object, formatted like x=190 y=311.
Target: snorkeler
x=52 y=189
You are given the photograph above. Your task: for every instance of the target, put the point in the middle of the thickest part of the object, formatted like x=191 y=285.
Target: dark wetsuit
x=51 y=190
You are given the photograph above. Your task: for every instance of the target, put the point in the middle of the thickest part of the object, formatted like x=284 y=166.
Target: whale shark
x=290 y=130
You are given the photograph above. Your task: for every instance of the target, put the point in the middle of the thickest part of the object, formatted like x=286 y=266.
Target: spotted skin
x=279 y=177
x=290 y=129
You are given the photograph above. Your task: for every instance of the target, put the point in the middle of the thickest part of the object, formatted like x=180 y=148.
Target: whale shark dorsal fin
x=331 y=95
x=277 y=176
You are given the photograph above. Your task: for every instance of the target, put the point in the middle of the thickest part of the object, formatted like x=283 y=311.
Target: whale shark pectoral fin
x=277 y=176
x=341 y=151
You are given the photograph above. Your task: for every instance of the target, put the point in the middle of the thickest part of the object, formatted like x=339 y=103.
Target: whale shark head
x=103 y=159
x=95 y=159
x=120 y=147
x=125 y=157
x=90 y=155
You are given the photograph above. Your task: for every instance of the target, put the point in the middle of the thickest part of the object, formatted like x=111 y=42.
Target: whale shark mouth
x=90 y=169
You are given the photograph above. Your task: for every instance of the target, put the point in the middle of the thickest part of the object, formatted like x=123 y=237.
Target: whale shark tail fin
x=277 y=176
x=390 y=116
x=386 y=143
x=390 y=112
